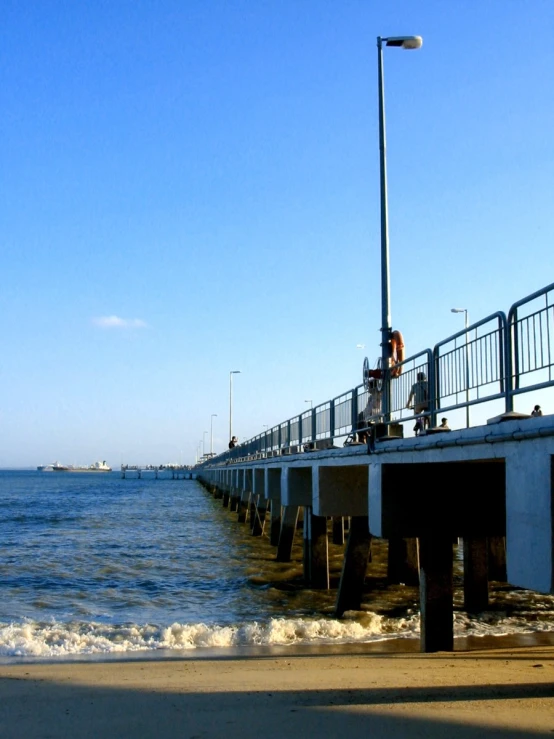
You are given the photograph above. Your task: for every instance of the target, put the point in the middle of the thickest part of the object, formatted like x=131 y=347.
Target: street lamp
x=204 y=443
x=214 y=415
x=466 y=324
x=404 y=42
x=310 y=402
x=231 y=373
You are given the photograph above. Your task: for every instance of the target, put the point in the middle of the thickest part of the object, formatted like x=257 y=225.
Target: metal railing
x=496 y=358
x=530 y=348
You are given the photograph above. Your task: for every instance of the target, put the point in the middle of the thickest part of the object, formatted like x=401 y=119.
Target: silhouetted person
x=419 y=401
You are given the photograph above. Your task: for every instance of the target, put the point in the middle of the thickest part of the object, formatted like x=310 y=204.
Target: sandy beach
x=492 y=693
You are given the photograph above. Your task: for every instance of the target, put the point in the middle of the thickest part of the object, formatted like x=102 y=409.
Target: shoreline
x=392 y=647
x=480 y=694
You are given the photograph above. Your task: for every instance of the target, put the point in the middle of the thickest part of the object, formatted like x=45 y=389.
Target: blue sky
x=205 y=175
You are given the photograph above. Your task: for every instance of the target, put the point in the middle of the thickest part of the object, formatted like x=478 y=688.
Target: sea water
x=94 y=564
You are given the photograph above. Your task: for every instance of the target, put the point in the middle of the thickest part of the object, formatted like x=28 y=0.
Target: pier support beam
x=226 y=497
x=286 y=538
x=476 y=574
x=316 y=555
x=244 y=502
x=237 y=484
x=258 y=513
x=354 y=566
x=338 y=530
x=497 y=558
x=436 y=592
x=403 y=561
x=258 y=522
x=273 y=493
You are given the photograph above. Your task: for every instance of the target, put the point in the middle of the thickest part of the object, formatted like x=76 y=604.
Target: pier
x=157 y=472
x=492 y=485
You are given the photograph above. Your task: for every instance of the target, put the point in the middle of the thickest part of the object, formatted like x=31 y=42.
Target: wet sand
x=502 y=692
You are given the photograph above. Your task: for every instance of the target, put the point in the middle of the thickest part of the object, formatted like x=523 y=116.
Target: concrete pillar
x=338 y=530
x=260 y=509
x=316 y=555
x=273 y=493
x=244 y=502
x=258 y=523
x=476 y=574
x=354 y=566
x=497 y=558
x=403 y=561
x=275 y=526
x=237 y=485
x=286 y=537
x=252 y=508
x=436 y=593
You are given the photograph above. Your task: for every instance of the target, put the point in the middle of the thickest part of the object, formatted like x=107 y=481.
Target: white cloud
x=117 y=322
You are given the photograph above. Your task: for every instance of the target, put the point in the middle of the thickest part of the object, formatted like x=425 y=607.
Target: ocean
x=92 y=564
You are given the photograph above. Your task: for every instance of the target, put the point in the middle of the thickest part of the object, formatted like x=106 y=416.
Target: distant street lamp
x=204 y=443
x=231 y=373
x=404 y=42
x=214 y=415
x=466 y=324
x=310 y=402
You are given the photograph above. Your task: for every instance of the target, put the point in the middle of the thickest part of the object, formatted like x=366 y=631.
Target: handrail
x=517 y=345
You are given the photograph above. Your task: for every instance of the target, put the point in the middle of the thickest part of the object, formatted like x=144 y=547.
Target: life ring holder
x=396 y=367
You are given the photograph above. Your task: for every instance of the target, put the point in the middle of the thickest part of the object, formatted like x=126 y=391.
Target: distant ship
x=59 y=467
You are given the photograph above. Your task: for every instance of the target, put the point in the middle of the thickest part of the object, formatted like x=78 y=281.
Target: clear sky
x=189 y=187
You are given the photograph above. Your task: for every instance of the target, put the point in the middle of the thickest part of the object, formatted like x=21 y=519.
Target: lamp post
x=310 y=402
x=231 y=373
x=404 y=42
x=466 y=324
x=204 y=443
x=214 y=415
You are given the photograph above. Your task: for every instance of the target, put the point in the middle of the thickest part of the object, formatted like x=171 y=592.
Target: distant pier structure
x=157 y=472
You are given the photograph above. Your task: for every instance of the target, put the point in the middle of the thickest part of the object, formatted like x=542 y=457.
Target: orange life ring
x=397 y=349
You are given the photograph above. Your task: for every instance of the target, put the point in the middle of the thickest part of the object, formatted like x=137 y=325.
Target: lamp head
x=404 y=42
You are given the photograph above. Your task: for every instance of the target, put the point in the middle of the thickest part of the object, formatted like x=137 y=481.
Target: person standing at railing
x=371 y=414
x=419 y=401
x=537 y=411
x=234 y=441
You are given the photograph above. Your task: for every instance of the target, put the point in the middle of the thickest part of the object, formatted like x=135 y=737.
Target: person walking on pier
x=419 y=401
